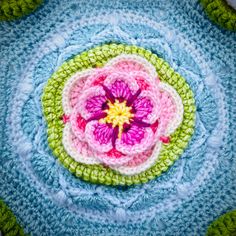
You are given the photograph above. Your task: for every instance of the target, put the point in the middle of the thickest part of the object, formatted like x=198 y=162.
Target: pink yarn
x=124 y=81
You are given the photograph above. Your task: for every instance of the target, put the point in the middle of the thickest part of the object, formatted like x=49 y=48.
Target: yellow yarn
x=118 y=114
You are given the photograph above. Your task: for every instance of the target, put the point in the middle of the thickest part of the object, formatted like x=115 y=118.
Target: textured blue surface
x=44 y=196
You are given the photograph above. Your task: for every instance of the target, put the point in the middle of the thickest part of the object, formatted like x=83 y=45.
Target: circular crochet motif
x=118 y=115
x=221 y=12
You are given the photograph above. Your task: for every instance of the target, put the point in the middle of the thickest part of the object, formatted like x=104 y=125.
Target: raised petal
x=91 y=102
x=99 y=136
x=76 y=148
x=145 y=81
x=121 y=85
x=73 y=89
x=78 y=124
x=96 y=104
x=120 y=90
x=147 y=107
x=135 y=140
x=113 y=158
x=131 y=63
x=97 y=78
x=140 y=162
x=172 y=109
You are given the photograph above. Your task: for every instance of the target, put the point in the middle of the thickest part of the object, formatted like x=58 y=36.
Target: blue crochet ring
x=45 y=197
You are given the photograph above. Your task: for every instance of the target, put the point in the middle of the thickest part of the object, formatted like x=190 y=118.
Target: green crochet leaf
x=14 y=9
x=224 y=225
x=8 y=222
x=220 y=13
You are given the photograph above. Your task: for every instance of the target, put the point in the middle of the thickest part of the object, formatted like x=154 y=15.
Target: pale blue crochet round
x=45 y=197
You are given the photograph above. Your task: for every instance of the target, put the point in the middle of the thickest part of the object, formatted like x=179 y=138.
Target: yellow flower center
x=118 y=114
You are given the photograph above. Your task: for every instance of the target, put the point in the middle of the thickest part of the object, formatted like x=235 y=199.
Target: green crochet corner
x=14 y=9
x=225 y=225
x=8 y=223
x=220 y=13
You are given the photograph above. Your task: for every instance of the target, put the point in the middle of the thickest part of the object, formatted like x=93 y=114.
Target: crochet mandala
x=117 y=118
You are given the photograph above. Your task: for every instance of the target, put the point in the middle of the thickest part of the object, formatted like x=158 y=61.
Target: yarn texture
x=14 y=9
x=120 y=155
x=168 y=52
x=8 y=222
x=224 y=225
x=221 y=12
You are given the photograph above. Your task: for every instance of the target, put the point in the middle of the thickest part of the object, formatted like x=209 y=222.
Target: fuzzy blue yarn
x=49 y=200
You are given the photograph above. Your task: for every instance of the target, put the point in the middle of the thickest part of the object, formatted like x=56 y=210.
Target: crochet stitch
x=221 y=12
x=91 y=136
x=190 y=192
x=8 y=222
x=225 y=225
x=14 y=9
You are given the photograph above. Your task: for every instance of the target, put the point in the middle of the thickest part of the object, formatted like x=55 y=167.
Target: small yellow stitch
x=117 y=114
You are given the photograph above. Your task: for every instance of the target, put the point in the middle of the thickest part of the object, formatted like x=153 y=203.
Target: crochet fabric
x=14 y=9
x=224 y=225
x=222 y=12
x=117 y=118
x=8 y=222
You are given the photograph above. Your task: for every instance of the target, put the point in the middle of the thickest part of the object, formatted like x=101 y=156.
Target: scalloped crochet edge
x=221 y=13
x=225 y=225
x=8 y=222
x=15 y=9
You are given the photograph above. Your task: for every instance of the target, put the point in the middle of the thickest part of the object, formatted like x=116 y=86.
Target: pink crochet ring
x=119 y=115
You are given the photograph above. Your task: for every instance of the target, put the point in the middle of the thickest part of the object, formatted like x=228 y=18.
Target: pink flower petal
x=140 y=162
x=120 y=89
x=73 y=88
x=135 y=140
x=121 y=85
x=168 y=110
x=145 y=81
x=99 y=136
x=76 y=91
x=133 y=63
x=147 y=107
x=95 y=104
x=91 y=102
x=78 y=124
x=113 y=158
x=97 y=79
x=78 y=149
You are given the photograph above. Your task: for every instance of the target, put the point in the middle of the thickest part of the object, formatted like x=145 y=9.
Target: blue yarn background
x=46 y=198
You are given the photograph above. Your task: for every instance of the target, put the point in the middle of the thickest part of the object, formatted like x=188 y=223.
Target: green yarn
x=14 y=9
x=220 y=13
x=224 y=225
x=98 y=56
x=8 y=222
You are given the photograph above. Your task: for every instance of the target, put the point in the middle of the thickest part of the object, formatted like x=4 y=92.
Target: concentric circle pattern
x=53 y=110
x=194 y=181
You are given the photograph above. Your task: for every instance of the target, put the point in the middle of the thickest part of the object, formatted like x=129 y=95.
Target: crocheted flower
x=119 y=115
